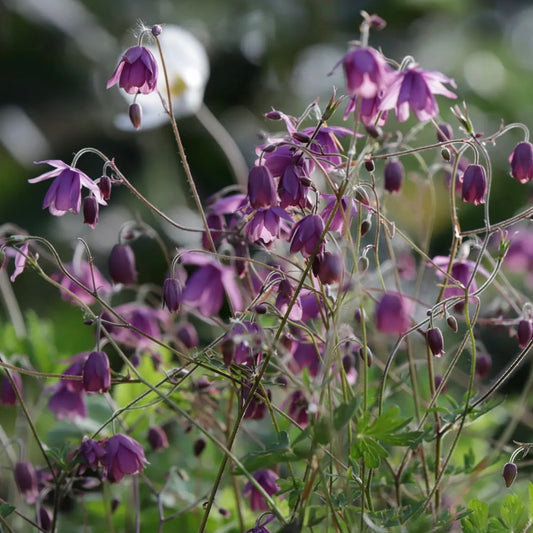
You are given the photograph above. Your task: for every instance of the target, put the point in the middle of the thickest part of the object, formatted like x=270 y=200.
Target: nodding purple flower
x=65 y=192
x=393 y=176
x=260 y=524
x=26 y=480
x=187 y=334
x=328 y=267
x=293 y=186
x=435 y=341
x=96 y=374
x=217 y=230
x=483 y=365
x=285 y=297
x=325 y=145
x=206 y=287
x=66 y=403
x=136 y=71
x=157 y=438
x=509 y=473
x=122 y=267
x=123 y=456
x=261 y=188
x=172 y=294
x=306 y=236
x=90 y=211
x=75 y=369
x=416 y=89
x=242 y=344
x=366 y=72
x=521 y=160
x=267 y=479
x=444 y=132
x=104 y=184
x=90 y=454
x=88 y=276
x=393 y=313
x=474 y=185
x=524 y=332
x=44 y=518
x=266 y=225
x=298 y=405
x=20 y=254
x=257 y=408
x=8 y=395
x=344 y=211
x=306 y=355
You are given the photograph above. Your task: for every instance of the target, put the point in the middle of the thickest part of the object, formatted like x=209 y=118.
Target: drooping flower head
x=65 y=192
x=415 y=88
x=8 y=395
x=267 y=479
x=366 y=72
x=521 y=161
x=96 y=374
x=393 y=313
x=123 y=456
x=26 y=480
x=136 y=71
x=306 y=236
x=474 y=185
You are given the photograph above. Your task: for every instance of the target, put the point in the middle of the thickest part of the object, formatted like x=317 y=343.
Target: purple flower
x=325 y=144
x=66 y=403
x=415 y=88
x=366 y=72
x=187 y=334
x=393 y=313
x=257 y=408
x=157 y=438
x=328 y=267
x=205 y=288
x=306 y=355
x=88 y=276
x=483 y=365
x=172 y=294
x=90 y=454
x=521 y=161
x=122 y=267
x=26 y=480
x=65 y=192
x=306 y=236
x=123 y=456
x=136 y=71
x=474 y=185
x=345 y=210
x=242 y=344
x=261 y=188
x=293 y=188
x=96 y=373
x=260 y=524
x=524 y=332
x=284 y=298
x=20 y=254
x=7 y=393
x=393 y=176
x=298 y=408
x=435 y=341
x=266 y=225
x=267 y=479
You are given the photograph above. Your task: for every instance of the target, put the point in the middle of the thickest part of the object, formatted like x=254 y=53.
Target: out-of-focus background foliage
x=57 y=55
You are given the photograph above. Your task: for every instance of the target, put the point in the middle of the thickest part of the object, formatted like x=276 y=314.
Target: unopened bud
x=273 y=115
x=362 y=264
x=369 y=165
x=452 y=323
x=483 y=364
x=269 y=148
x=136 y=115
x=435 y=341
x=305 y=181
x=393 y=176
x=157 y=438
x=362 y=196
x=156 y=30
x=376 y=22
x=122 y=264
x=444 y=132
x=199 y=446
x=301 y=137
x=365 y=227
x=90 y=211
x=374 y=131
x=509 y=474
x=260 y=309
x=524 y=332
x=172 y=294
x=104 y=184
x=446 y=155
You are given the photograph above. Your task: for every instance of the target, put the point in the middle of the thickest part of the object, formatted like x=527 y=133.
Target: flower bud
x=524 y=332
x=104 y=184
x=369 y=165
x=362 y=196
x=157 y=438
x=435 y=341
x=509 y=473
x=444 y=132
x=260 y=309
x=474 y=189
x=136 y=114
x=301 y=137
x=483 y=364
x=44 y=518
x=90 y=211
x=365 y=227
x=273 y=115
x=376 y=22
x=362 y=264
x=452 y=323
x=522 y=162
x=393 y=176
x=187 y=335
x=374 y=131
x=446 y=155
x=438 y=381
x=156 y=30
x=122 y=264
x=199 y=446
x=26 y=480
x=171 y=294
x=328 y=267
x=96 y=374
x=7 y=393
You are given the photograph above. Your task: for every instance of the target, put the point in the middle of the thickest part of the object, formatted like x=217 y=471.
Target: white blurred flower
x=188 y=70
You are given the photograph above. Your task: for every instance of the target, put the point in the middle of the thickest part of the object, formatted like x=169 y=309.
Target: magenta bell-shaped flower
x=261 y=188
x=26 y=480
x=366 y=72
x=96 y=374
x=474 y=185
x=157 y=438
x=267 y=479
x=123 y=456
x=393 y=176
x=393 y=313
x=136 y=71
x=306 y=236
x=122 y=264
x=522 y=162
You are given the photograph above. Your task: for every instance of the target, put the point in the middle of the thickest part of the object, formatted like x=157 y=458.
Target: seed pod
x=509 y=474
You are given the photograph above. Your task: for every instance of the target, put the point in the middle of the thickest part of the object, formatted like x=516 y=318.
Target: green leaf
x=530 y=493
x=476 y=521
x=6 y=509
x=315 y=514
x=513 y=512
x=344 y=413
x=321 y=431
x=497 y=526
x=368 y=448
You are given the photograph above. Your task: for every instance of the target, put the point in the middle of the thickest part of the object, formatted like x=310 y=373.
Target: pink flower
x=123 y=456
x=416 y=89
x=522 y=162
x=65 y=192
x=366 y=72
x=136 y=71
x=96 y=373
x=393 y=313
